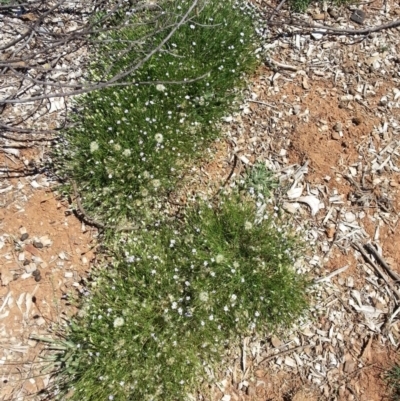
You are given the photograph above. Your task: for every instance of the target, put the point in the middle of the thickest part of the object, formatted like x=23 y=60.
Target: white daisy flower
x=94 y=146
x=118 y=322
x=219 y=258
x=203 y=296
x=161 y=87
x=159 y=138
x=248 y=226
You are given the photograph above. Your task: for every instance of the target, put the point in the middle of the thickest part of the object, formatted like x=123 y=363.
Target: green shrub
x=129 y=144
x=393 y=380
x=175 y=296
x=260 y=180
x=300 y=6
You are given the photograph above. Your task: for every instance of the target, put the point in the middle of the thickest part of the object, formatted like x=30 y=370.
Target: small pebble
x=338 y=126
x=38 y=277
x=24 y=236
x=37 y=244
x=358 y=16
x=333 y=13
x=296 y=109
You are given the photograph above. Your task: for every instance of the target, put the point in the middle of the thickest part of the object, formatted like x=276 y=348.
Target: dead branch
x=26 y=130
x=361 y=249
x=274 y=64
x=275 y=10
x=380 y=259
x=46 y=40
x=283 y=353
x=95 y=87
x=327 y=30
x=82 y=212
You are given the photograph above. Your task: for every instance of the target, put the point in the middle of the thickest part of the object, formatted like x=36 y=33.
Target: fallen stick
x=275 y=10
x=377 y=269
x=288 y=351
x=84 y=215
x=92 y=222
x=272 y=62
x=336 y=31
x=380 y=259
x=263 y=103
x=333 y=274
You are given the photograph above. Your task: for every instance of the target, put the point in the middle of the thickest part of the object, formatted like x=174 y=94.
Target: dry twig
x=328 y=30
x=380 y=259
x=289 y=351
x=274 y=64
x=82 y=213
x=361 y=249
x=92 y=222
x=51 y=40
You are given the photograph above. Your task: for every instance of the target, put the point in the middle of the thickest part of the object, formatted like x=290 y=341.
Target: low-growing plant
x=175 y=296
x=300 y=6
x=260 y=180
x=174 y=293
x=129 y=144
x=393 y=380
